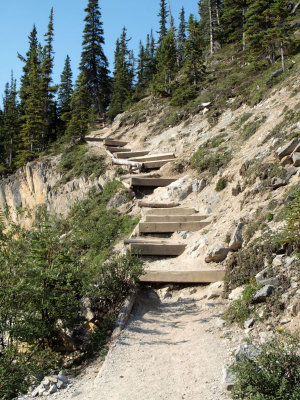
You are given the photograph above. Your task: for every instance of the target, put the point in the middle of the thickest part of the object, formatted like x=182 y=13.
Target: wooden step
x=169 y=227
x=146 y=204
x=129 y=154
x=171 y=211
x=156 y=164
x=175 y=218
x=157 y=249
x=129 y=176
x=154 y=157
x=152 y=182
x=117 y=149
x=93 y=139
x=188 y=276
x=115 y=143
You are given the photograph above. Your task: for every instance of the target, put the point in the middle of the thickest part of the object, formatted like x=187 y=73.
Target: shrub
x=273 y=374
x=221 y=184
x=211 y=161
x=291 y=233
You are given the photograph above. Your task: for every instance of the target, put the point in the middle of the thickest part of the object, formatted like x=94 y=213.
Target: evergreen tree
x=9 y=128
x=49 y=88
x=123 y=77
x=194 y=63
x=210 y=23
x=150 y=62
x=81 y=111
x=163 y=16
x=94 y=63
x=233 y=21
x=166 y=68
x=181 y=38
x=65 y=89
x=141 y=81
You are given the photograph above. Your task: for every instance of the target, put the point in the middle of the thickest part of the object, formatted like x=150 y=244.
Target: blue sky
x=18 y=16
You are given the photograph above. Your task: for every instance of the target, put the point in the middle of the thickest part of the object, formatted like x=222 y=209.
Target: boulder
x=290 y=172
x=277 y=261
x=288 y=148
x=236 y=293
x=198 y=185
x=296 y=159
x=217 y=253
x=228 y=378
x=236 y=241
x=247 y=350
x=215 y=290
x=261 y=295
x=278 y=182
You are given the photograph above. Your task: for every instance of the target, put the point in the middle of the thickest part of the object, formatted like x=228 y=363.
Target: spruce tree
x=94 y=63
x=123 y=77
x=163 y=16
x=81 y=111
x=150 y=62
x=194 y=63
x=65 y=89
x=233 y=21
x=166 y=67
x=141 y=83
x=181 y=38
x=209 y=11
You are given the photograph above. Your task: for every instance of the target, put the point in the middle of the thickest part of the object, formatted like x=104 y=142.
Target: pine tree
x=141 y=83
x=150 y=62
x=49 y=88
x=194 y=63
x=9 y=128
x=209 y=11
x=233 y=21
x=163 y=16
x=65 y=88
x=94 y=63
x=181 y=38
x=166 y=67
x=123 y=77
x=81 y=111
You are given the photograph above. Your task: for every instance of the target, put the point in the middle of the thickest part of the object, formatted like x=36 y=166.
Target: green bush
x=273 y=374
x=203 y=160
x=221 y=184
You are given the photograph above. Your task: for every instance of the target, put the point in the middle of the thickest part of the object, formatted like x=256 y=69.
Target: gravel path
x=171 y=349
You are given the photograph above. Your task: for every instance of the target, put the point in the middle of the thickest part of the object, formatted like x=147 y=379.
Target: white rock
x=217 y=253
x=277 y=261
x=236 y=293
x=236 y=241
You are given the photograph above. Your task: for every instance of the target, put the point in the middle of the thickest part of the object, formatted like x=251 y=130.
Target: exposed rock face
x=296 y=159
x=236 y=241
x=288 y=148
x=176 y=191
x=262 y=294
x=36 y=184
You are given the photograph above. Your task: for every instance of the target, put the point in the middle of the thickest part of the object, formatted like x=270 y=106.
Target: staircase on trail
x=160 y=220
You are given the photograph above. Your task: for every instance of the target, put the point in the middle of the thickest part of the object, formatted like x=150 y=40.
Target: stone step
x=171 y=211
x=146 y=204
x=170 y=227
x=115 y=143
x=156 y=164
x=152 y=182
x=117 y=149
x=157 y=249
x=129 y=154
x=175 y=218
x=153 y=157
x=187 y=276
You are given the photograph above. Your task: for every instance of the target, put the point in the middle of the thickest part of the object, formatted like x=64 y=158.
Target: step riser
x=151 y=249
x=115 y=143
x=117 y=149
x=204 y=276
x=156 y=164
x=157 y=157
x=170 y=211
x=170 y=227
x=151 y=182
x=175 y=218
x=126 y=155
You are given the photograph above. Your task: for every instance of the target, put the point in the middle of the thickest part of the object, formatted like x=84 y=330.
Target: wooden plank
x=166 y=227
x=189 y=276
x=130 y=154
x=175 y=218
x=153 y=182
x=154 y=240
x=171 y=211
x=115 y=143
x=93 y=139
x=154 y=157
x=156 y=164
x=117 y=149
x=157 y=249
x=146 y=204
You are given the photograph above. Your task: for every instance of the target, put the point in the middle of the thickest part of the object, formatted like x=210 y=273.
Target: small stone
x=63 y=378
x=289 y=261
x=236 y=293
x=215 y=290
x=278 y=182
x=296 y=159
x=269 y=281
x=285 y=320
x=236 y=241
x=262 y=294
x=228 y=378
x=60 y=384
x=277 y=261
x=247 y=350
x=198 y=186
x=217 y=253
x=53 y=389
x=249 y=323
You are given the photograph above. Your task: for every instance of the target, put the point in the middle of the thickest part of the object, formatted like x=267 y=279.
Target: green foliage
x=221 y=184
x=212 y=161
x=273 y=374
x=291 y=233
x=65 y=89
x=76 y=162
x=240 y=310
x=163 y=15
x=250 y=129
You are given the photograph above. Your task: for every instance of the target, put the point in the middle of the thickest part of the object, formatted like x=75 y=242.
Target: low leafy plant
x=221 y=184
x=273 y=374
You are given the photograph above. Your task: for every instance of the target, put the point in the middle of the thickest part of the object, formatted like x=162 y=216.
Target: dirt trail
x=171 y=349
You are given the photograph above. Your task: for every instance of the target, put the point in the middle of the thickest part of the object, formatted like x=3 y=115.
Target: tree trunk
x=244 y=32
x=282 y=56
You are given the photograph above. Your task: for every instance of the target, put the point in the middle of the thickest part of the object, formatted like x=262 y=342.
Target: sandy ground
x=171 y=349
